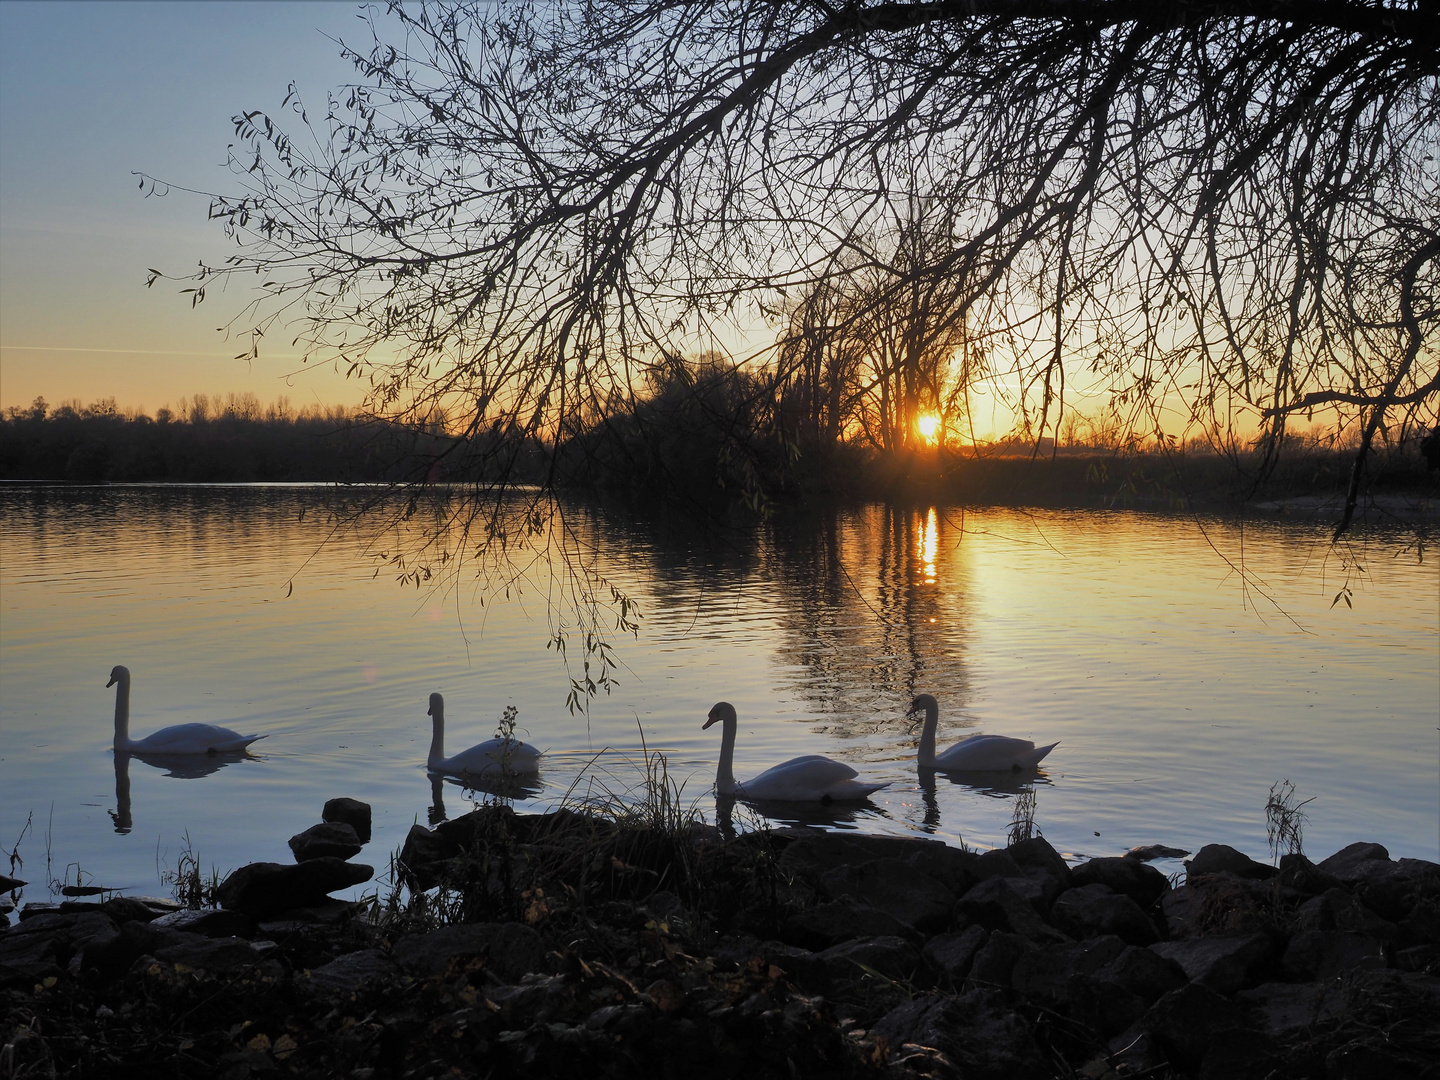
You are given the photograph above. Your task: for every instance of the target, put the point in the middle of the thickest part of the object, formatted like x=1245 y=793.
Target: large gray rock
x=949 y=955
x=891 y=957
x=327 y=840
x=896 y=888
x=1357 y=862
x=1189 y=1021
x=997 y=904
x=1144 y=973
x=1223 y=964
x=817 y=853
x=1286 y=1010
x=350 y=973
x=1093 y=910
x=1142 y=883
x=208 y=922
x=829 y=924
x=350 y=812
x=111 y=956
x=982 y=1036
x=1319 y=955
x=950 y=866
x=1218 y=904
x=218 y=956
x=1223 y=859
x=1338 y=909
x=994 y=964
x=510 y=950
x=1044 y=974
x=1037 y=853
x=262 y=889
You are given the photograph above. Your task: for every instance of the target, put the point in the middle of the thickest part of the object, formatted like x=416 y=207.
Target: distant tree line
x=705 y=428
x=228 y=438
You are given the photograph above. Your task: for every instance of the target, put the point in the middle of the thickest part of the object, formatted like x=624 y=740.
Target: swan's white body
x=978 y=753
x=177 y=739
x=811 y=778
x=491 y=756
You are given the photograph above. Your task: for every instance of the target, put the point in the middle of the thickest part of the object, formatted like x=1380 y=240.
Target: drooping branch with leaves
x=1224 y=216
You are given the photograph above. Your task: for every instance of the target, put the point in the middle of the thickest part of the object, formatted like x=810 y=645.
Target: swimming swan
x=978 y=753
x=178 y=739
x=803 y=779
x=493 y=755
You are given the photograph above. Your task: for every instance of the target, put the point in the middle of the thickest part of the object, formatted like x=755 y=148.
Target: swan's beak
x=429 y=712
x=110 y=683
x=708 y=721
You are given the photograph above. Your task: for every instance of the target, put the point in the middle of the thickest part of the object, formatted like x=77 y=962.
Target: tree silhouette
x=1226 y=214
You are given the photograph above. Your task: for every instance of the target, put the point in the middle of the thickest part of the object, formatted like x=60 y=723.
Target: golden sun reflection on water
x=927 y=545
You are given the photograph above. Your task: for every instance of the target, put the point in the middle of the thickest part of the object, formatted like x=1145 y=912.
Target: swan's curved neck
x=122 y=713
x=926 y=756
x=437 y=737
x=725 y=774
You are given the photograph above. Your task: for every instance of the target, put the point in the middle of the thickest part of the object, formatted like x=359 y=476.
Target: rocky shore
x=571 y=945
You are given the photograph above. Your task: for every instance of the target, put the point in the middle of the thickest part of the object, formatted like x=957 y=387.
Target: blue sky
x=89 y=94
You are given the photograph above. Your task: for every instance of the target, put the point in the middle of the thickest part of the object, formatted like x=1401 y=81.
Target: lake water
x=1184 y=664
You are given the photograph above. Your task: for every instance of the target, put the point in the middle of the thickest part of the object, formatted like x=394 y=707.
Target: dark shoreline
x=565 y=944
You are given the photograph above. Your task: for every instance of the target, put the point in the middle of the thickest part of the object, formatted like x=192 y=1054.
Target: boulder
x=1337 y=909
x=350 y=812
x=1223 y=859
x=1218 y=904
x=112 y=956
x=814 y=854
x=1285 y=1010
x=510 y=950
x=326 y=840
x=350 y=973
x=422 y=857
x=1142 y=883
x=218 y=956
x=1299 y=873
x=261 y=889
x=1101 y=1006
x=1188 y=1021
x=1357 y=862
x=951 y=867
x=996 y=863
x=949 y=955
x=1037 y=853
x=980 y=1035
x=994 y=964
x=829 y=924
x=1144 y=973
x=1044 y=974
x=891 y=957
x=997 y=904
x=896 y=888
x=1320 y=955
x=208 y=922
x=125 y=909
x=1093 y=910
x=1223 y=964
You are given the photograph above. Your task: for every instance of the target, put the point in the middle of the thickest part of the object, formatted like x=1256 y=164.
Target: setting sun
x=929 y=427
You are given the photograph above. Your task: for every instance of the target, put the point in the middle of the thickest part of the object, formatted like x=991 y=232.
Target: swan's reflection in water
x=832 y=815
x=499 y=785
x=991 y=785
x=179 y=766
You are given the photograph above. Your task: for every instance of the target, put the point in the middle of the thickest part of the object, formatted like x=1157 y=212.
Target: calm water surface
x=1184 y=665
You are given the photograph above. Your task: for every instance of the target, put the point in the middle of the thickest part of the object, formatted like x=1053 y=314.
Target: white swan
x=493 y=755
x=978 y=753
x=177 y=739
x=811 y=778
